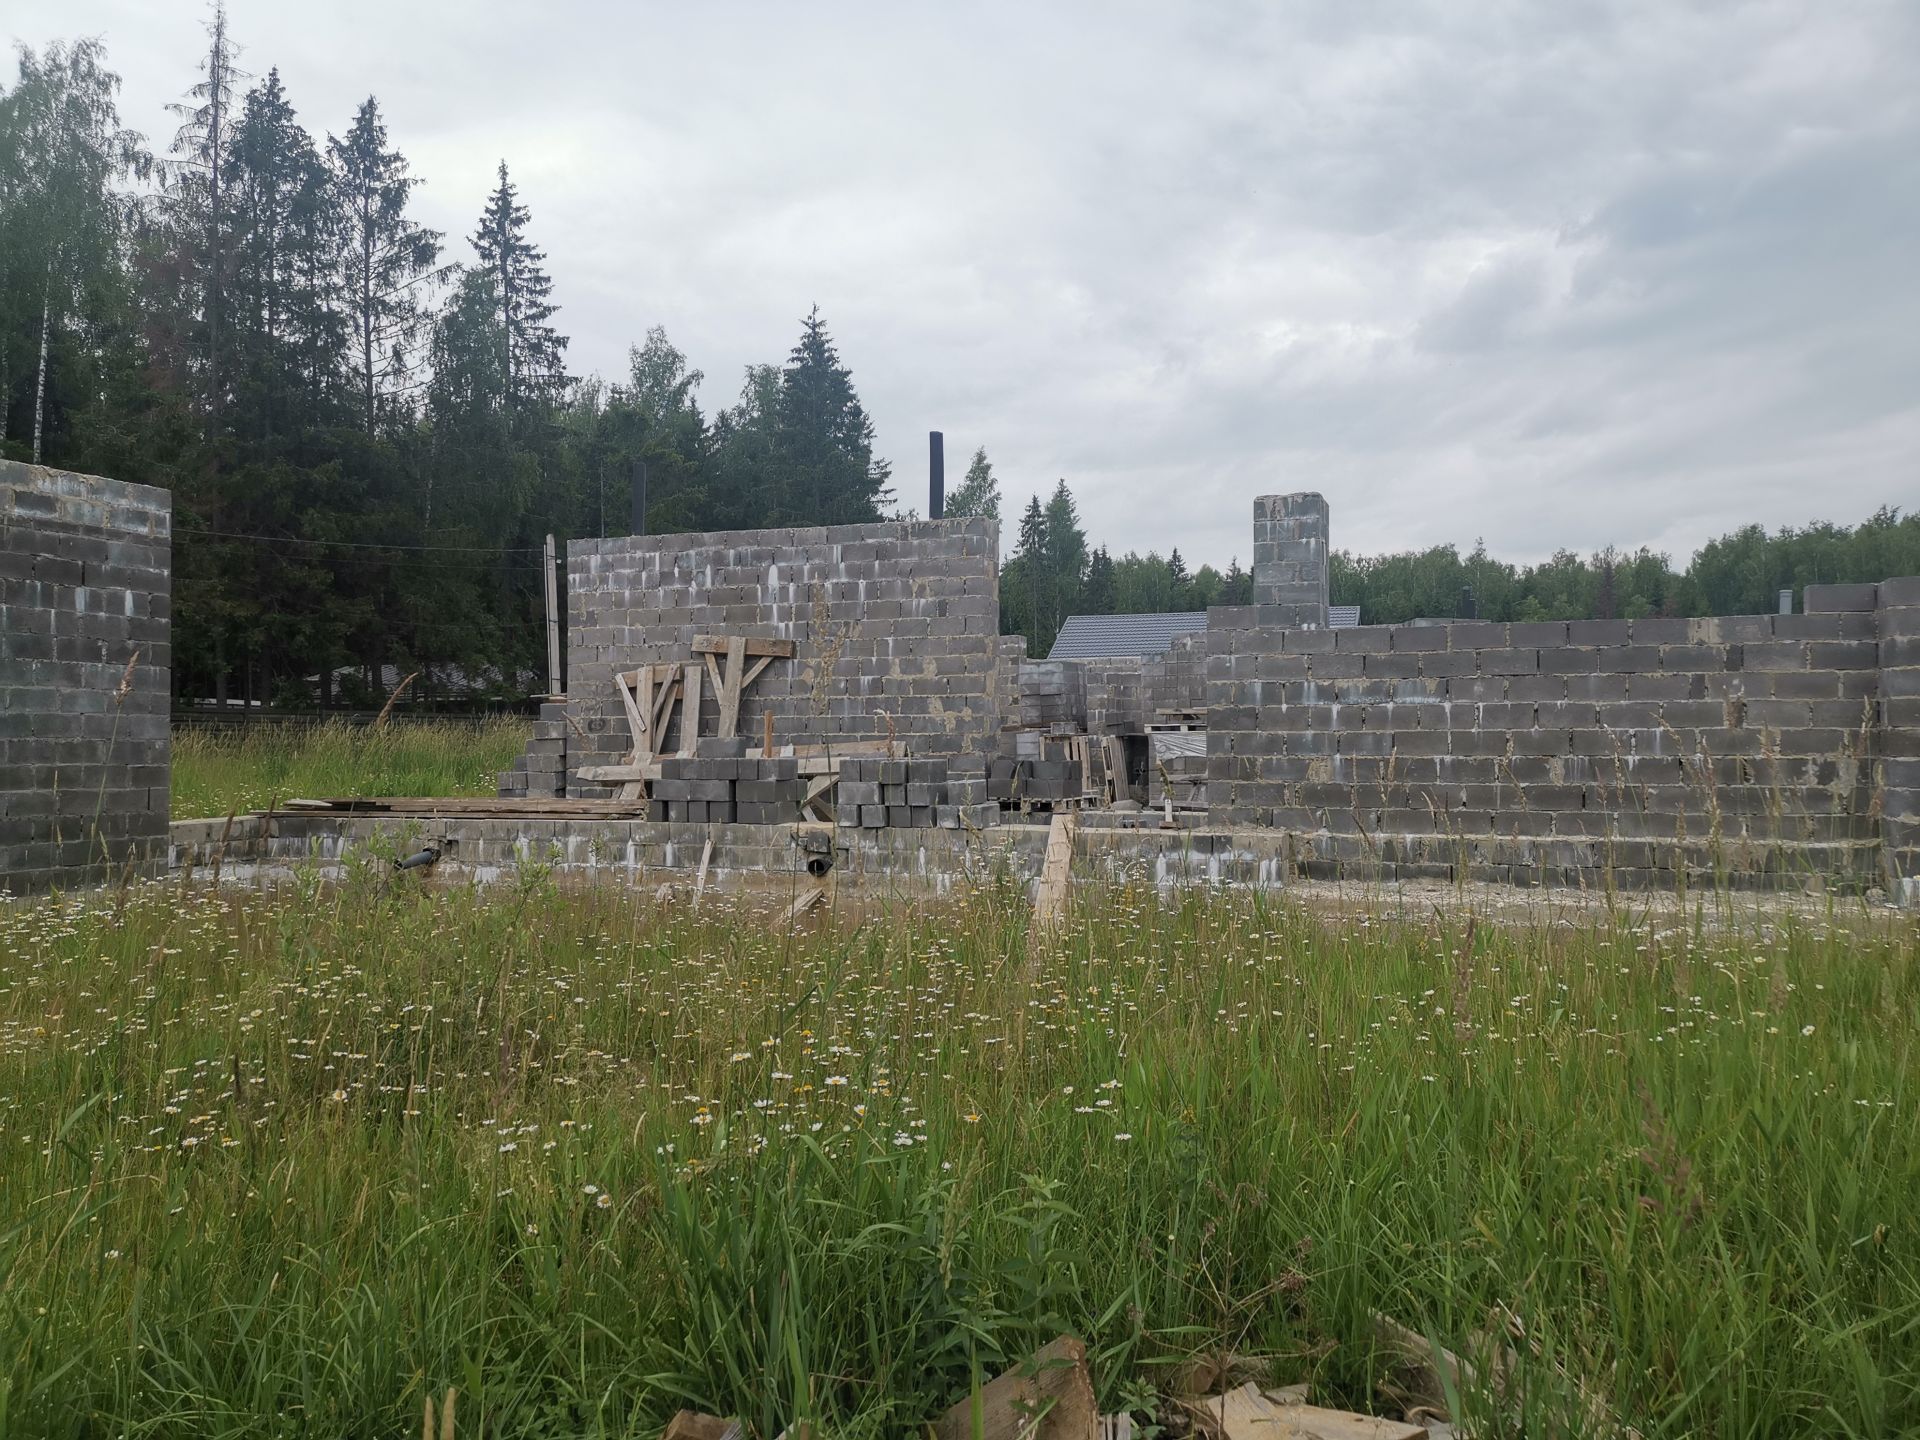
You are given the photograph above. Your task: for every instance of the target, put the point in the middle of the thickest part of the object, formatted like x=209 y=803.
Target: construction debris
x=693 y=1425
x=1050 y=1397
x=1249 y=1413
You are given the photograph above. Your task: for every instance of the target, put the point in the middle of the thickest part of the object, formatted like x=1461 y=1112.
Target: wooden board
x=1054 y=1381
x=1057 y=872
x=717 y=645
x=472 y=806
x=1247 y=1414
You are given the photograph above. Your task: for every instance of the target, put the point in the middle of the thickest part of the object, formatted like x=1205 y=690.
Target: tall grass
x=285 y=1165
x=216 y=772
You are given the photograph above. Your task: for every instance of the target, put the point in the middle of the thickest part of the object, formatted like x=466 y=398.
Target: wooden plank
x=766 y=733
x=1053 y=1385
x=1246 y=1413
x=717 y=645
x=731 y=686
x=713 y=673
x=808 y=899
x=754 y=673
x=692 y=1425
x=1057 y=871
x=625 y=774
x=636 y=726
x=690 y=708
x=706 y=857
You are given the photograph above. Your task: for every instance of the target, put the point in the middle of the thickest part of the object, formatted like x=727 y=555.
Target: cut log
x=1050 y=1397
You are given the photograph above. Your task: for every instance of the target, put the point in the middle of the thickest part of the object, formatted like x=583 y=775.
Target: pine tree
x=979 y=493
x=825 y=444
x=531 y=349
x=388 y=261
x=199 y=202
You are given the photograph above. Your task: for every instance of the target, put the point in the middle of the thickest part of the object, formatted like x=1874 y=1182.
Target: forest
x=369 y=426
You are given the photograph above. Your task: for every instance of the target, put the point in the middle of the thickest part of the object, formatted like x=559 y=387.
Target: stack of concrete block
x=1053 y=695
x=1040 y=782
x=969 y=807
x=713 y=788
x=541 y=769
x=84 y=666
x=1175 y=681
x=1116 y=696
x=877 y=794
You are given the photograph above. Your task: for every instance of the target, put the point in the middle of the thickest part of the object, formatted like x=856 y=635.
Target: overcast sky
x=1550 y=274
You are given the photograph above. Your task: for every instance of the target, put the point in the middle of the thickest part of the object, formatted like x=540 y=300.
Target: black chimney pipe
x=936 y=475
x=639 y=497
x=1469 y=610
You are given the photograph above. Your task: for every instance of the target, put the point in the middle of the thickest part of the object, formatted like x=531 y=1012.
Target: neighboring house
x=1114 y=637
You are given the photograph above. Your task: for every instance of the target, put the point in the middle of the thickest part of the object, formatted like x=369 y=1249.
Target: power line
x=361 y=544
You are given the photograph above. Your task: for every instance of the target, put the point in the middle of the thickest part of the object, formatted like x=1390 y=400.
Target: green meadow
x=294 y=1163
x=220 y=771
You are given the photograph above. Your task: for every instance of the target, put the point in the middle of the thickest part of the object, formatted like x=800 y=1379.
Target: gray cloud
x=1623 y=273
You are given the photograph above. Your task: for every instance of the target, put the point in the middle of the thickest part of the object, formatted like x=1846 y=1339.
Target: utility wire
x=361 y=544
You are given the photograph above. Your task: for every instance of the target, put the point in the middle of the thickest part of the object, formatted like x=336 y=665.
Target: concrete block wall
x=85 y=666
x=900 y=618
x=1559 y=752
x=1896 y=613
x=1290 y=557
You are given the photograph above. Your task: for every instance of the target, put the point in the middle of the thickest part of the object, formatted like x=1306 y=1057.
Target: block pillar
x=1897 y=617
x=1290 y=558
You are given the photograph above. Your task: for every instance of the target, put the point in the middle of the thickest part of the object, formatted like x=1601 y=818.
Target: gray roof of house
x=1100 y=637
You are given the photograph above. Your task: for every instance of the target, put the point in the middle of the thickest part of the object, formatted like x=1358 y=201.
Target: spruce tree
x=1099 y=596
x=388 y=260
x=825 y=440
x=1066 y=555
x=979 y=493
x=282 y=284
x=531 y=349
x=199 y=203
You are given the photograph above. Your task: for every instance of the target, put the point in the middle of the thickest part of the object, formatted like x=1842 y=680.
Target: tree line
x=368 y=428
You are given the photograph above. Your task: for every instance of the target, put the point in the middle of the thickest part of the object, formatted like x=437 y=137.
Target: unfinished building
x=839 y=701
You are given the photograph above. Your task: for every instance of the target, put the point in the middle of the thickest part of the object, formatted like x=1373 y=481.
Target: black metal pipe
x=936 y=475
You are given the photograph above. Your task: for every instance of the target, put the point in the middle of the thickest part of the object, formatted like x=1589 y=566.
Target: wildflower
x=603 y=1202
x=836 y=1080
x=971 y=1117
x=1123 y=1135
x=339 y=1096
x=1806 y=1030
